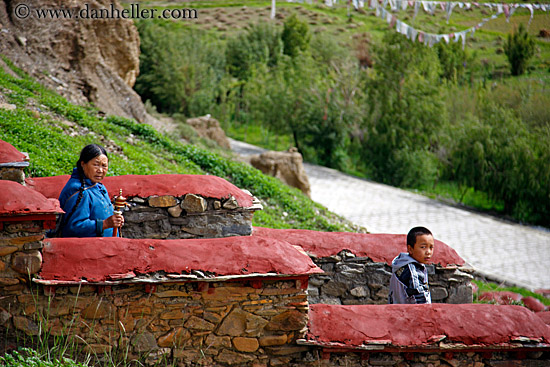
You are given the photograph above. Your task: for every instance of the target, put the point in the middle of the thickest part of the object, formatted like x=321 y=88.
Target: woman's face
x=96 y=168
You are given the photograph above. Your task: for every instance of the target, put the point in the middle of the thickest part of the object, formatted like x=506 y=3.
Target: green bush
x=405 y=111
x=179 y=71
x=452 y=59
x=259 y=44
x=498 y=154
x=26 y=357
x=519 y=48
x=295 y=36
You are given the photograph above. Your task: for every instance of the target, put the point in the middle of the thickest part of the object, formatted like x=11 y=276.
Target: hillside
x=52 y=130
x=453 y=121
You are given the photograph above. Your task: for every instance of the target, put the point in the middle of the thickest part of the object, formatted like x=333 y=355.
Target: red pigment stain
x=9 y=154
x=16 y=199
x=420 y=325
x=378 y=247
x=152 y=185
x=100 y=259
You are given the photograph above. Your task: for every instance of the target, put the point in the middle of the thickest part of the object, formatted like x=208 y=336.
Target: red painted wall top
x=9 y=154
x=100 y=259
x=421 y=325
x=378 y=247
x=16 y=199
x=150 y=185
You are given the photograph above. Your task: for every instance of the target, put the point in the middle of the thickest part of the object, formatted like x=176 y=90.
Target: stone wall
x=351 y=280
x=12 y=173
x=189 y=216
x=20 y=256
x=318 y=357
x=197 y=323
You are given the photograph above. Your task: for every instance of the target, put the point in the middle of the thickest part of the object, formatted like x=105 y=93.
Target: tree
x=405 y=114
x=259 y=44
x=295 y=36
x=519 y=48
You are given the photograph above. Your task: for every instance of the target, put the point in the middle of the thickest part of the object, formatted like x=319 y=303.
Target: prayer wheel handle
x=120 y=203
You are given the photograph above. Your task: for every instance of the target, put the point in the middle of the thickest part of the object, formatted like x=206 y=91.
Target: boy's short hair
x=415 y=232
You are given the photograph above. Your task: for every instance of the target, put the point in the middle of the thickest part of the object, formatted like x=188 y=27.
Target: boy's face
x=423 y=248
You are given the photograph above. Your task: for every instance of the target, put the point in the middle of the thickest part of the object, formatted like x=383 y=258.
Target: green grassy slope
x=53 y=132
x=226 y=18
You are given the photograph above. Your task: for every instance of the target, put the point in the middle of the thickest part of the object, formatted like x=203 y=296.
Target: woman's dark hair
x=415 y=232
x=88 y=153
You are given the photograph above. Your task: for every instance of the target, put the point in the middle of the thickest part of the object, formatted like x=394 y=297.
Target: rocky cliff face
x=85 y=60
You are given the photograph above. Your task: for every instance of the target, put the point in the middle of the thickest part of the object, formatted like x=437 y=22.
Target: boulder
x=286 y=166
x=208 y=127
x=84 y=60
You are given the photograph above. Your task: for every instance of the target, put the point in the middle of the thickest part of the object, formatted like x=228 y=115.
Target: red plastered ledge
x=16 y=200
x=423 y=325
x=100 y=259
x=150 y=185
x=378 y=247
x=9 y=154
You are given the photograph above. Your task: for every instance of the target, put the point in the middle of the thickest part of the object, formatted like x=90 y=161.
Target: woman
x=88 y=209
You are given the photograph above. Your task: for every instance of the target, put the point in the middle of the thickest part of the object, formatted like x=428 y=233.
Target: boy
x=409 y=280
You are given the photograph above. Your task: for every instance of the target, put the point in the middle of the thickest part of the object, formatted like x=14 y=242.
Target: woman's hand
x=115 y=220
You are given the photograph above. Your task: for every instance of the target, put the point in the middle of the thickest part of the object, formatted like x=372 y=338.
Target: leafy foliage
x=26 y=357
x=519 y=48
x=501 y=156
x=452 y=59
x=53 y=152
x=187 y=79
x=406 y=114
x=260 y=44
x=295 y=36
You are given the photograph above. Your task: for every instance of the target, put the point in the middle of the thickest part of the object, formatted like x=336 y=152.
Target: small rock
x=231 y=203
x=501 y=298
x=175 y=211
x=359 y=292
x=21 y=40
x=26 y=325
x=144 y=342
x=27 y=262
x=8 y=106
x=248 y=345
x=162 y=201
x=193 y=204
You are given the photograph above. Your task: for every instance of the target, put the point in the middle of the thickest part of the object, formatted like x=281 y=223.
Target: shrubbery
x=418 y=116
x=519 y=48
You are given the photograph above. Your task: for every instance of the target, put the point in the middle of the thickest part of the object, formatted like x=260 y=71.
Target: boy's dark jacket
x=409 y=281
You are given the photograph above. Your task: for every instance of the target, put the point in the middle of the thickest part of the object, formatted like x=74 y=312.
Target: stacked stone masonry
x=20 y=256
x=250 y=321
x=189 y=216
x=195 y=323
x=351 y=280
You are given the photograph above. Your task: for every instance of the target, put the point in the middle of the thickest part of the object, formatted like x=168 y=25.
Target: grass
x=492 y=287
x=225 y=18
x=53 y=132
x=453 y=192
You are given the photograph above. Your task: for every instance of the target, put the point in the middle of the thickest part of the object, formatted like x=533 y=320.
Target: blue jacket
x=409 y=281
x=95 y=206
